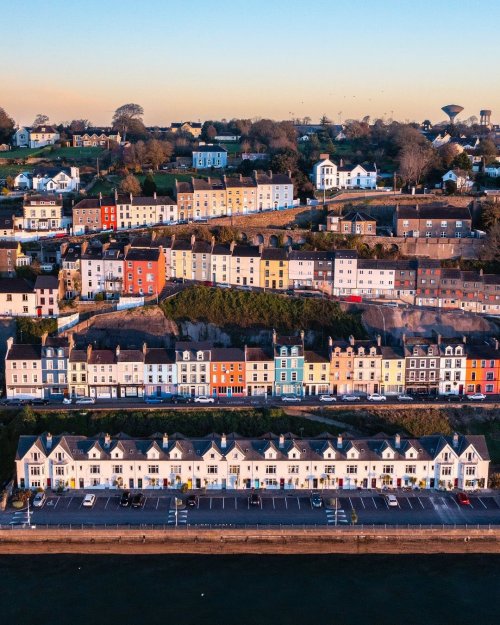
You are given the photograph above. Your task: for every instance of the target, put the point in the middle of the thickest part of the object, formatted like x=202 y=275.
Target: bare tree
x=127 y=116
x=130 y=184
x=155 y=153
x=141 y=153
x=414 y=161
x=40 y=120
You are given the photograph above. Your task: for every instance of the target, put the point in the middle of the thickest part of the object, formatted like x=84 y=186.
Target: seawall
x=263 y=541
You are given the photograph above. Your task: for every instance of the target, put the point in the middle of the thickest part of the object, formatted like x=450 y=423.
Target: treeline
x=233 y=308
x=31 y=330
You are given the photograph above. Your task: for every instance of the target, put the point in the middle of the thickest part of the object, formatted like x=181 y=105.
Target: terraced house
x=288 y=364
x=270 y=462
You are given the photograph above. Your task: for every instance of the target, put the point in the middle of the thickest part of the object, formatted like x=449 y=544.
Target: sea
x=250 y=589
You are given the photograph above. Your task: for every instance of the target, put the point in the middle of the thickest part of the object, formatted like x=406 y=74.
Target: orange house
x=108 y=213
x=144 y=271
x=482 y=369
x=227 y=372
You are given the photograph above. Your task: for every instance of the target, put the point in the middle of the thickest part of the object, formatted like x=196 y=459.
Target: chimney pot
x=397 y=441
x=455 y=440
x=49 y=440
x=223 y=441
x=107 y=440
x=282 y=441
x=339 y=441
x=164 y=443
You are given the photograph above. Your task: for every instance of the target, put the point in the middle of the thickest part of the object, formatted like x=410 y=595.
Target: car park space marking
x=210 y=503
x=374 y=503
x=157 y=503
x=106 y=504
x=491 y=503
x=223 y=499
x=69 y=502
x=363 y=503
x=298 y=502
x=455 y=502
x=350 y=502
x=286 y=503
x=409 y=503
x=482 y=502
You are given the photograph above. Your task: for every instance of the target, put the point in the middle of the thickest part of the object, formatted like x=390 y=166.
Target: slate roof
x=257 y=354
x=209 y=148
x=159 y=355
x=20 y=351
x=15 y=285
x=47 y=282
x=432 y=211
x=246 y=250
x=274 y=253
x=143 y=254
x=355 y=216
x=227 y=354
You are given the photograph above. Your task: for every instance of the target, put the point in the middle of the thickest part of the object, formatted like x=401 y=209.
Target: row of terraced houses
x=57 y=367
x=143 y=267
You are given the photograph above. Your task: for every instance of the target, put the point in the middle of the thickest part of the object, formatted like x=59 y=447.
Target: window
x=234 y=469
x=445 y=470
x=388 y=468
x=411 y=469
x=95 y=468
x=293 y=468
x=212 y=469
x=351 y=469
x=329 y=468
x=117 y=468
x=271 y=469
x=154 y=468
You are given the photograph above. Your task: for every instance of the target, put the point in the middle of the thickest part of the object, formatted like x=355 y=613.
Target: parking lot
x=225 y=509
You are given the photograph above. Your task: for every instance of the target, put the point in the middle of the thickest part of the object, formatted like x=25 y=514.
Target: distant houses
x=209 y=155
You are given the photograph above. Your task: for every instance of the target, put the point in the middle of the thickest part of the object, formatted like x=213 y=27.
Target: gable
x=212 y=453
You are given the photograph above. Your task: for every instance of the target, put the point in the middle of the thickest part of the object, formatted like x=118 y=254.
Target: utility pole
x=97 y=166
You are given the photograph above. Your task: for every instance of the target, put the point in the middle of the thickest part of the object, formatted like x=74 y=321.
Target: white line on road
x=106 y=504
x=57 y=501
x=479 y=499
x=69 y=502
x=210 y=503
x=364 y=507
x=409 y=503
x=157 y=503
x=286 y=503
x=298 y=502
x=352 y=507
x=223 y=499
x=444 y=502
x=456 y=503
x=376 y=507
x=274 y=507
x=418 y=499
x=235 y=503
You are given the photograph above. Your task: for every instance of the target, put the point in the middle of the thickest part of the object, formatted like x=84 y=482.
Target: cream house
x=17 y=298
x=259 y=372
x=193 y=368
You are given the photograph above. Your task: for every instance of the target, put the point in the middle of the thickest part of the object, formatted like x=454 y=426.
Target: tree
x=127 y=117
x=450 y=187
x=149 y=185
x=414 y=161
x=130 y=184
x=491 y=249
x=490 y=214
x=284 y=161
x=40 y=120
x=79 y=125
x=462 y=161
x=211 y=132
x=140 y=153
x=155 y=153
x=325 y=121
x=488 y=149
x=7 y=125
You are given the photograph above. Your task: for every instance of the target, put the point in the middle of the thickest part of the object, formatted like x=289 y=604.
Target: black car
x=125 y=499
x=39 y=402
x=254 y=499
x=192 y=501
x=15 y=402
x=138 y=500
x=181 y=399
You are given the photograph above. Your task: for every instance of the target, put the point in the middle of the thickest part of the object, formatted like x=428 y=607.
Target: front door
x=398 y=482
x=432 y=482
x=49 y=482
x=374 y=482
x=274 y=284
x=139 y=482
x=131 y=482
x=158 y=391
x=81 y=483
x=315 y=482
x=165 y=482
x=257 y=484
x=224 y=483
x=282 y=483
x=198 y=482
x=341 y=482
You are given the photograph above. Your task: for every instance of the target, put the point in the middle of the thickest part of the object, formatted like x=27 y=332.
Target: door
x=282 y=483
x=139 y=482
x=131 y=482
x=461 y=389
x=244 y=281
x=49 y=482
x=257 y=483
x=165 y=482
x=193 y=391
x=374 y=482
x=365 y=482
x=224 y=483
x=198 y=482
x=274 y=284
x=81 y=483
x=341 y=482
x=315 y=482
x=432 y=482
x=398 y=482
x=158 y=391
x=455 y=484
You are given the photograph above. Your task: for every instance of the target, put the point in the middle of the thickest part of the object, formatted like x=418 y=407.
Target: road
x=221 y=508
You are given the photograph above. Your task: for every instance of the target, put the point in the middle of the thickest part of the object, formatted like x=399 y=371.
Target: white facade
x=102 y=274
x=73 y=462
x=135 y=212
x=42 y=213
x=373 y=280
x=193 y=371
x=42 y=136
x=345 y=273
x=21 y=138
x=461 y=179
x=327 y=175
x=208 y=156
x=60 y=182
x=160 y=376
x=300 y=270
x=245 y=269
x=452 y=369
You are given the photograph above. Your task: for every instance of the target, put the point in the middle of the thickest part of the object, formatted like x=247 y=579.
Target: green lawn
x=13 y=170
x=52 y=153
x=232 y=148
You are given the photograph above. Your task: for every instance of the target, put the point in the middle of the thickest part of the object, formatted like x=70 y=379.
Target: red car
x=463 y=499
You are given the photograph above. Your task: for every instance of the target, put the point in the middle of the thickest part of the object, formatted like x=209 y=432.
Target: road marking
x=144 y=502
x=223 y=499
x=106 y=504
x=210 y=503
x=157 y=502
x=69 y=502
x=444 y=502
x=286 y=503
x=409 y=503
x=298 y=502
x=479 y=499
x=364 y=507
x=350 y=501
x=455 y=502
x=386 y=504
x=376 y=507
x=261 y=502
x=57 y=501
x=274 y=507
x=418 y=499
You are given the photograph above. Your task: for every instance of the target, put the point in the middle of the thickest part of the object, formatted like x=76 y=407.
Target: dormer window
x=294 y=351
x=199 y=355
x=283 y=351
x=185 y=355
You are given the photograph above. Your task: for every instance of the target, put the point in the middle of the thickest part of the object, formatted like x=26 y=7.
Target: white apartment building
x=245 y=265
x=375 y=277
x=42 y=212
x=160 y=372
x=42 y=136
x=274 y=463
x=102 y=271
x=259 y=372
x=274 y=191
x=300 y=269
x=193 y=369
x=17 y=298
x=327 y=175
x=452 y=367
x=345 y=272
x=23 y=371
x=136 y=211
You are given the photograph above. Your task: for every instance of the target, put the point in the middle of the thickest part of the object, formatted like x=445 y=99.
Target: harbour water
x=248 y=590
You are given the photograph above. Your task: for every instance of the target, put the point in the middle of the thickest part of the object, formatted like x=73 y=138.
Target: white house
x=440 y=139
x=452 y=368
x=460 y=177
x=375 y=277
x=327 y=175
x=52 y=180
x=227 y=137
x=208 y=155
x=234 y=462
x=492 y=170
x=301 y=269
x=345 y=272
x=160 y=372
x=274 y=191
x=42 y=136
x=21 y=138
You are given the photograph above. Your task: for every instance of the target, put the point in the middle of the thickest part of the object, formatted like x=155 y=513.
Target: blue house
x=208 y=155
x=288 y=364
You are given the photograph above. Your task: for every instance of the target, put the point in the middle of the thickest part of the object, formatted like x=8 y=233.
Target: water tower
x=452 y=110
x=485 y=118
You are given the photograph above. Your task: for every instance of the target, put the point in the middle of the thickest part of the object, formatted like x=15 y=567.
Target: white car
x=85 y=400
x=350 y=398
x=39 y=500
x=88 y=501
x=477 y=397
x=203 y=399
x=377 y=397
x=405 y=397
x=291 y=398
x=327 y=398
x=391 y=501
x=67 y=400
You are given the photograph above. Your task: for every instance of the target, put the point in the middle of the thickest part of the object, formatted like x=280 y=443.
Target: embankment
x=264 y=541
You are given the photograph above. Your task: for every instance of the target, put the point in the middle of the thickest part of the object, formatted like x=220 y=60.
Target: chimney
x=89 y=352
x=193 y=239
x=117 y=350
x=397 y=441
x=274 y=337
x=439 y=338
x=164 y=442
x=232 y=245
x=223 y=442
x=455 y=440
x=100 y=197
x=464 y=339
x=144 y=348
x=44 y=338
x=339 y=441
x=131 y=197
x=49 y=440
x=379 y=340
x=154 y=195
x=324 y=157
x=302 y=337
x=330 y=341
x=116 y=195
x=352 y=340
x=107 y=441
x=495 y=343
x=282 y=441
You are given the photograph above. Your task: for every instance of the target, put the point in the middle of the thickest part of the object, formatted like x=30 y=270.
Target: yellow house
x=393 y=371
x=274 y=268
x=316 y=373
x=241 y=194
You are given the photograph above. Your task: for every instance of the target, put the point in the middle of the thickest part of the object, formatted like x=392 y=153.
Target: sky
x=213 y=59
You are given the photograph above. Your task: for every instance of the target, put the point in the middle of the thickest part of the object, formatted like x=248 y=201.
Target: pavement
x=276 y=508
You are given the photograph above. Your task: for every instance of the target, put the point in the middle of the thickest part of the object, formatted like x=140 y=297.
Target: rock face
x=394 y=322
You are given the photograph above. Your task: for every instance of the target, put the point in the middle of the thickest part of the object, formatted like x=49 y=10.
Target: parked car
x=254 y=499
x=89 y=501
x=181 y=399
x=391 y=501
x=289 y=292
x=350 y=398
x=39 y=500
x=192 y=501
x=404 y=397
x=67 y=400
x=477 y=397
x=377 y=397
x=15 y=402
x=85 y=400
x=327 y=398
x=153 y=400
x=138 y=500
x=291 y=398
x=204 y=399
x=39 y=402
x=463 y=499
x=316 y=500
x=245 y=287
x=125 y=499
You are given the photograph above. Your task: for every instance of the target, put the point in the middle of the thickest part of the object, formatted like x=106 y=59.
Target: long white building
x=328 y=175
x=270 y=462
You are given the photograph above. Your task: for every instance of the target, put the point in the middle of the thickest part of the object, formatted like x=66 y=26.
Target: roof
x=242 y=181
x=47 y=282
x=19 y=351
x=227 y=354
x=182 y=186
x=270 y=178
x=311 y=356
x=102 y=357
x=346 y=254
x=246 y=250
x=50 y=200
x=44 y=129
x=15 y=285
x=143 y=254
x=209 y=148
x=355 y=216
x=258 y=354
x=159 y=355
x=313 y=256
x=432 y=211
x=9 y=245
x=6 y=222
x=274 y=253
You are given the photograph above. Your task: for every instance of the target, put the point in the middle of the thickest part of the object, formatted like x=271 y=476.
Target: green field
x=164 y=182
x=12 y=170
x=52 y=153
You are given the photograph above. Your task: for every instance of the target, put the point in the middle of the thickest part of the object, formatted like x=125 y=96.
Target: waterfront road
x=221 y=508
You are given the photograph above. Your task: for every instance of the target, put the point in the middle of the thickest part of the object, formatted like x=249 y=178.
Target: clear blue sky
x=201 y=59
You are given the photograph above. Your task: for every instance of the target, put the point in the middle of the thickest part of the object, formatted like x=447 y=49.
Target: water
x=248 y=590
